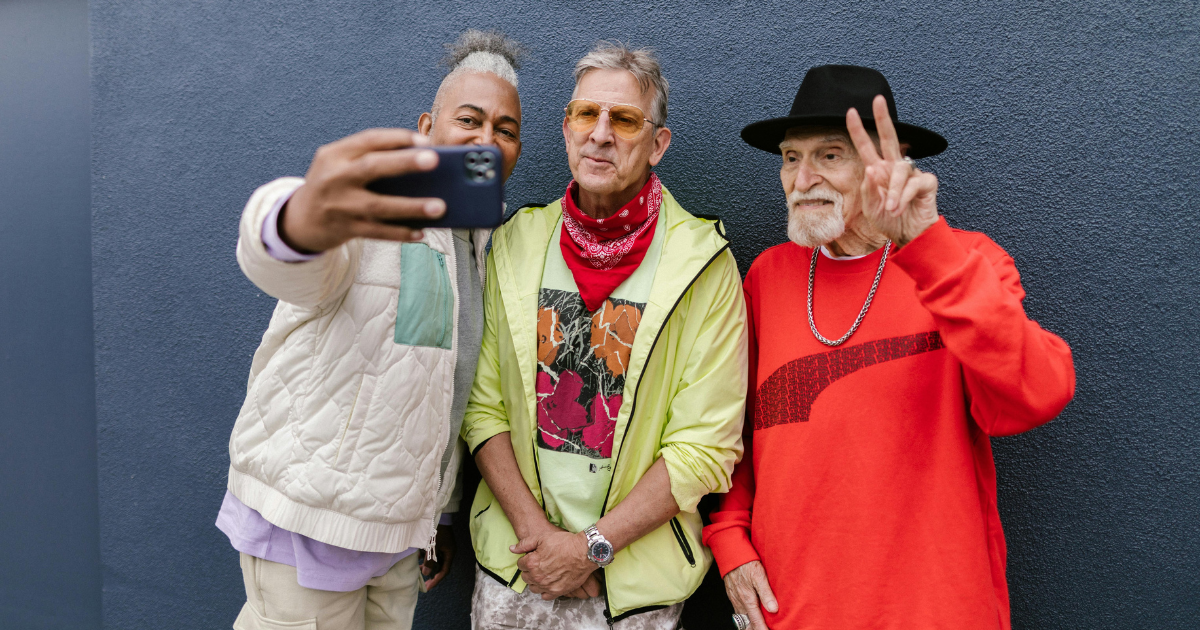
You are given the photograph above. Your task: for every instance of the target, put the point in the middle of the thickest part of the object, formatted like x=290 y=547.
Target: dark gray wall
x=1072 y=134
x=49 y=558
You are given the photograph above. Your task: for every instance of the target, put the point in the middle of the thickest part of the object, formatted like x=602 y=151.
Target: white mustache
x=815 y=226
x=797 y=197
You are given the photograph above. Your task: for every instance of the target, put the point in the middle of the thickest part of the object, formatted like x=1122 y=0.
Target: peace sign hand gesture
x=897 y=199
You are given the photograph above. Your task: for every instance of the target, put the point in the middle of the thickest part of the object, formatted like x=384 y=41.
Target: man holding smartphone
x=345 y=457
x=612 y=379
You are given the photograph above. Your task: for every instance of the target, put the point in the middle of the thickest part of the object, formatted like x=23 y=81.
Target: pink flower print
x=559 y=413
x=598 y=436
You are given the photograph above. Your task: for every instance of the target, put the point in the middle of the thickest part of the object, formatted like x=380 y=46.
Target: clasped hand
x=556 y=564
x=897 y=198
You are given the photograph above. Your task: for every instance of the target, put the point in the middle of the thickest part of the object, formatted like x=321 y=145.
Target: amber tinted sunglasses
x=626 y=120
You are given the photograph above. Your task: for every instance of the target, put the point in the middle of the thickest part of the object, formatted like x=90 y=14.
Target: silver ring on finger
x=911 y=162
x=741 y=621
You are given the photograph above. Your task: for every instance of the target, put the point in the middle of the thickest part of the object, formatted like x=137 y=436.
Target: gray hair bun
x=485 y=51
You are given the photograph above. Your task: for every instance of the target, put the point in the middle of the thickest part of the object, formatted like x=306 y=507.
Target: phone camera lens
x=485 y=159
x=472 y=158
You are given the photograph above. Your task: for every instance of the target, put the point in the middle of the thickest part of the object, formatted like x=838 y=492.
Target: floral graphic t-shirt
x=582 y=360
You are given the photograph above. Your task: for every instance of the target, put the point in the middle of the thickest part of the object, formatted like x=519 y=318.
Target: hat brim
x=767 y=134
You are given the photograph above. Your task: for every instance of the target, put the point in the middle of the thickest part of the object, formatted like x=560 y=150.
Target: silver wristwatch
x=600 y=550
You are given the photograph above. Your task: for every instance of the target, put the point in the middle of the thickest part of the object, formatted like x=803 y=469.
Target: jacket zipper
x=681 y=538
x=633 y=409
x=443 y=281
x=349 y=419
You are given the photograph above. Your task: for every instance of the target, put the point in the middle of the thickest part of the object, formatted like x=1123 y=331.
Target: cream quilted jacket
x=346 y=416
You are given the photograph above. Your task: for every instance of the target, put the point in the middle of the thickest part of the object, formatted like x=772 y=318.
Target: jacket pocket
x=681 y=538
x=425 y=307
x=491 y=536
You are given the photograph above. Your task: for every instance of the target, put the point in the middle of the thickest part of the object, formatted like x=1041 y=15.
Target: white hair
x=813 y=228
x=481 y=61
x=640 y=62
x=480 y=51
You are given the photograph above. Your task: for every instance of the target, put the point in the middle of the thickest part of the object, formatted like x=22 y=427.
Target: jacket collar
x=519 y=253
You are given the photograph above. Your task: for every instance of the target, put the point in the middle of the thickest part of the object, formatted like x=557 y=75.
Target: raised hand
x=334 y=205
x=897 y=199
x=555 y=565
x=747 y=588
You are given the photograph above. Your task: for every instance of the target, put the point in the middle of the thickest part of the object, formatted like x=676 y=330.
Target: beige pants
x=494 y=606
x=275 y=601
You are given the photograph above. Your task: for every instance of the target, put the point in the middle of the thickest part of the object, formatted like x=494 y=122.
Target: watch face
x=601 y=551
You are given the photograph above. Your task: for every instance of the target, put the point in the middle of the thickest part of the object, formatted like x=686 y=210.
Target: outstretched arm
x=325 y=211
x=334 y=204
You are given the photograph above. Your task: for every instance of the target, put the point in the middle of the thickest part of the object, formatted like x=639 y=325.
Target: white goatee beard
x=813 y=228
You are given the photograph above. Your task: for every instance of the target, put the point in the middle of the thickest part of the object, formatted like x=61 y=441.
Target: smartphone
x=467 y=177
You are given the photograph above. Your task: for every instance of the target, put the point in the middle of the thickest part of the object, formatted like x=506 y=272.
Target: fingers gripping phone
x=468 y=178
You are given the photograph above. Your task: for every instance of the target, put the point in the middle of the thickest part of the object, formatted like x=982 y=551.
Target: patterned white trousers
x=494 y=606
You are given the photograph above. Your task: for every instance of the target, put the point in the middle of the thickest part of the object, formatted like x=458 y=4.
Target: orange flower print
x=613 y=329
x=549 y=335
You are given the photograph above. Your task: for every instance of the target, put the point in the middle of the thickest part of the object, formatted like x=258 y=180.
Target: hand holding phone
x=335 y=205
x=467 y=177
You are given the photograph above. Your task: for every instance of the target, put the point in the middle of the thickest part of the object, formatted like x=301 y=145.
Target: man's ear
x=662 y=140
x=425 y=124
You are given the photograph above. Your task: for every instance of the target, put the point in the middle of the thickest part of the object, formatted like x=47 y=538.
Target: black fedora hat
x=825 y=95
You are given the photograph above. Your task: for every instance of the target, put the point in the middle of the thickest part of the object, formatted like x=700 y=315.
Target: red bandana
x=602 y=253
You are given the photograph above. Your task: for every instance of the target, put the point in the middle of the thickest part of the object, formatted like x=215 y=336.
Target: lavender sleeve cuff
x=278 y=249
x=445 y=519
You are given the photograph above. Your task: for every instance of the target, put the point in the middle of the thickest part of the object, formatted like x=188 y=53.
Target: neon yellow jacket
x=684 y=399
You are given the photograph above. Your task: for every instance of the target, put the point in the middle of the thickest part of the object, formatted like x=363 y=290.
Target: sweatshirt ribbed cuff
x=731 y=548
x=933 y=256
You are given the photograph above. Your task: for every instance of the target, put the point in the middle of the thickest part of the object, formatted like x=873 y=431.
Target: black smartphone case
x=468 y=178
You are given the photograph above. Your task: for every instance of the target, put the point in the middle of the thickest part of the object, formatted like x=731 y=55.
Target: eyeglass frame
x=645 y=119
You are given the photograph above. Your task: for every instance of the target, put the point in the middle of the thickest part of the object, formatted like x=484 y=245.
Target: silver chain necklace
x=812 y=276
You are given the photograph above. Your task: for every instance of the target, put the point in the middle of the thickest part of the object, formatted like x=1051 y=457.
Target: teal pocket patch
x=425 y=310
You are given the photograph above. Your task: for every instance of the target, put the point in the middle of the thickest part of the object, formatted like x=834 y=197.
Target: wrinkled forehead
x=612 y=87
x=798 y=136
x=483 y=91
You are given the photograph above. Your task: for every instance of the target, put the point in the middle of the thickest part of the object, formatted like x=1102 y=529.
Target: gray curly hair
x=640 y=62
x=480 y=51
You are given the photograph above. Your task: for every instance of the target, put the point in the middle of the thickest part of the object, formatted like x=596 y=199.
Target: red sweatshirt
x=868 y=489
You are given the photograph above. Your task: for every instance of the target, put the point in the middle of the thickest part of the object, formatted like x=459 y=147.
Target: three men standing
x=886 y=349
x=611 y=353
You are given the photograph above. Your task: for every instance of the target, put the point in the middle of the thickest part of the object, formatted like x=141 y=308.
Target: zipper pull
x=431 y=546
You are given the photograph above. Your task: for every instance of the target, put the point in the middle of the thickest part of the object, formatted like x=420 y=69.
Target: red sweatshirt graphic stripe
x=868 y=489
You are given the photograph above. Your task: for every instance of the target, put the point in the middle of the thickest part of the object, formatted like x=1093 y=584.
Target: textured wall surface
x=1072 y=136
x=50 y=557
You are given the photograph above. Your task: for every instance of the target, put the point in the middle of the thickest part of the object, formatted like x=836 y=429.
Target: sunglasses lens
x=582 y=115
x=626 y=120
